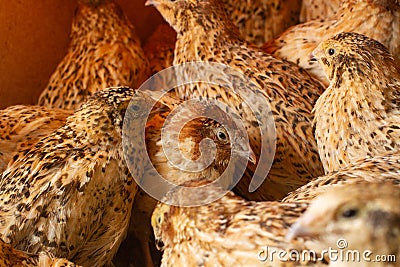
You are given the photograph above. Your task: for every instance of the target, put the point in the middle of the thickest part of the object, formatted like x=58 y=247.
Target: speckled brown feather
x=261 y=20
x=22 y=126
x=71 y=194
x=379 y=169
x=366 y=216
x=378 y=19
x=358 y=114
x=290 y=91
x=190 y=136
x=319 y=9
x=104 y=51
x=239 y=229
x=10 y=257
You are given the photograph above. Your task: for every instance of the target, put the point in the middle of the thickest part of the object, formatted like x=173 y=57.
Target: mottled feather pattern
x=378 y=19
x=10 y=257
x=261 y=20
x=378 y=169
x=319 y=9
x=240 y=229
x=357 y=116
x=71 y=194
x=22 y=126
x=104 y=51
x=290 y=91
x=196 y=128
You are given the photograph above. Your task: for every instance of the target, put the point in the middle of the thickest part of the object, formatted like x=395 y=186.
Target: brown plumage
x=366 y=216
x=71 y=193
x=318 y=9
x=186 y=143
x=227 y=232
x=206 y=34
x=104 y=51
x=261 y=20
x=10 y=257
x=257 y=20
x=379 y=169
x=22 y=126
x=357 y=115
x=159 y=48
x=378 y=19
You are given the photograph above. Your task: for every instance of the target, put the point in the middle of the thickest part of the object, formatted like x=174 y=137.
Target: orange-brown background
x=34 y=36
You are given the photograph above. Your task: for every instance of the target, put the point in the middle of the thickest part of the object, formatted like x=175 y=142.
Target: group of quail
x=328 y=73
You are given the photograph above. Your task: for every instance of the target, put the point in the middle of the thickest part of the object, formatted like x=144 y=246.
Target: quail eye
x=221 y=136
x=349 y=213
x=135 y=107
x=331 y=51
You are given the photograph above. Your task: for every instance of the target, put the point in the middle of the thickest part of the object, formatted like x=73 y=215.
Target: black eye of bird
x=331 y=51
x=135 y=107
x=349 y=213
x=221 y=136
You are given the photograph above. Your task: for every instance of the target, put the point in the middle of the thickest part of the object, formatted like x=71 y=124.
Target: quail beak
x=312 y=58
x=159 y=244
x=316 y=54
x=251 y=156
x=151 y=3
x=247 y=153
x=300 y=230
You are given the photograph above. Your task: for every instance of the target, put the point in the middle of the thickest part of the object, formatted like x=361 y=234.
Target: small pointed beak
x=151 y=3
x=316 y=54
x=312 y=58
x=252 y=156
x=159 y=244
x=299 y=230
x=247 y=153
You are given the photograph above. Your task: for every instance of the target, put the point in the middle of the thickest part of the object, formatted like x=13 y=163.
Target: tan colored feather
x=22 y=126
x=71 y=193
x=378 y=19
x=239 y=230
x=104 y=51
x=358 y=114
x=289 y=90
x=354 y=219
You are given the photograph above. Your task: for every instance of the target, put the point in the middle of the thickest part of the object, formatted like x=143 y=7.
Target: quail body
x=378 y=169
x=239 y=230
x=357 y=116
x=13 y=257
x=71 y=193
x=378 y=19
x=186 y=135
x=104 y=51
x=318 y=9
x=261 y=20
x=10 y=257
x=289 y=90
x=22 y=126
